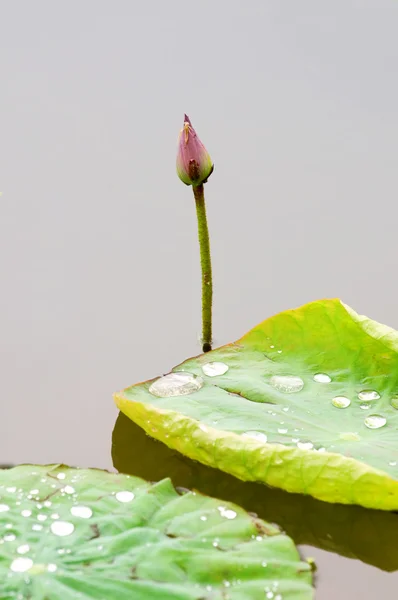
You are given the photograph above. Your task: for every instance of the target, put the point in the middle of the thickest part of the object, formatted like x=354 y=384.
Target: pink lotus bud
x=194 y=164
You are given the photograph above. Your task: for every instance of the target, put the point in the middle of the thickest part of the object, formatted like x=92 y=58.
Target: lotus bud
x=194 y=164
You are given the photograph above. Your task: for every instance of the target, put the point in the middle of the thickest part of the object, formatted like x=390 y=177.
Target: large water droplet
x=51 y=568
x=4 y=508
x=62 y=528
x=84 y=512
x=26 y=513
x=227 y=513
x=257 y=435
x=124 y=496
x=393 y=463
x=287 y=383
x=305 y=445
x=322 y=378
x=341 y=402
x=20 y=565
x=375 y=421
x=394 y=402
x=23 y=549
x=61 y=476
x=368 y=395
x=68 y=489
x=176 y=384
x=10 y=537
x=212 y=369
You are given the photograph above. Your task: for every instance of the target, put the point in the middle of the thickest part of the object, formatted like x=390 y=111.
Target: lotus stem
x=205 y=263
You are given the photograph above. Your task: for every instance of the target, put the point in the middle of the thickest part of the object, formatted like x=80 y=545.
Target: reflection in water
x=351 y=531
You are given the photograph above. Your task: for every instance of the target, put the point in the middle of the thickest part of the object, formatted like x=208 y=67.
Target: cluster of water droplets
x=41 y=517
x=183 y=383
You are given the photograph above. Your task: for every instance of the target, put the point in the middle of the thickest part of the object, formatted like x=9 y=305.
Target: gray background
x=297 y=103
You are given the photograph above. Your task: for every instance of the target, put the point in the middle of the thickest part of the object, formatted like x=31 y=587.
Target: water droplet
x=47 y=503
x=26 y=513
x=68 y=489
x=4 y=508
x=279 y=351
x=55 y=516
x=23 y=549
x=321 y=450
x=393 y=463
x=264 y=564
x=305 y=445
x=61 y=476
x=62 y=528
x=203 y=518
x=84 y=512
x=394 y=402
x=322 y=378
x=341 y=402
x=257 y=435
x=368 y=395
x=212 y=369
x=41 y=517
x=125 y=496
x=349 y=436
x=269 y=595
x=365 y=405
x=34 y=492
x=11 y=489
x=10 y=537
x=287 y=383
x=282 y=430
x=227 y=513
x=176 y=384
x=51 y=568
x=20 y=565
x=375 y=421
x=37 y=527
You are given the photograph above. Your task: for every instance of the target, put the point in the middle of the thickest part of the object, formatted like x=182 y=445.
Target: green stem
x=205 y=263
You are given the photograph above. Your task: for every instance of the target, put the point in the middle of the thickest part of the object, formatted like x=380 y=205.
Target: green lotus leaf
x=306 y=401
x=70 y=533
x=351 y=531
